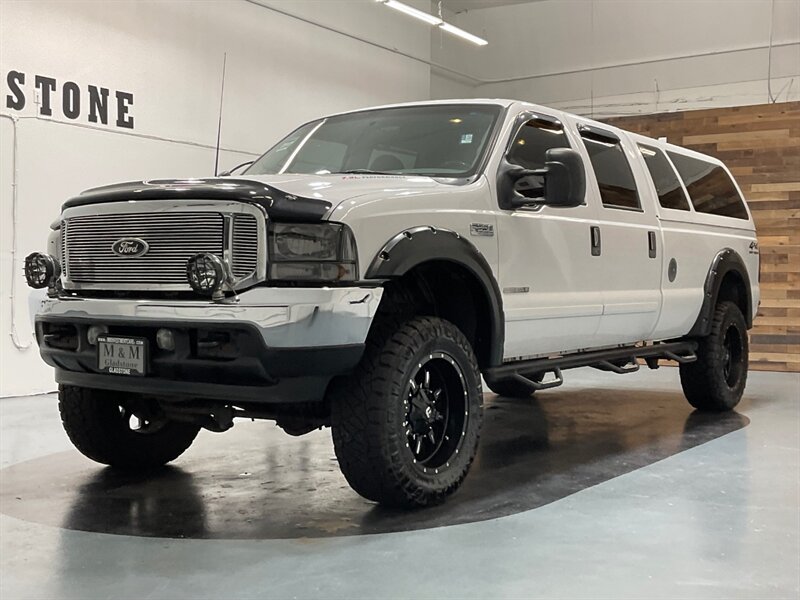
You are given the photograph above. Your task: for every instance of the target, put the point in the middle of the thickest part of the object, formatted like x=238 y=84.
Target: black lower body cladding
x=220 y=361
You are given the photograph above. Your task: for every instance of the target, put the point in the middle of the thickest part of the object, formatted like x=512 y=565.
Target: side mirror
x=564 y=182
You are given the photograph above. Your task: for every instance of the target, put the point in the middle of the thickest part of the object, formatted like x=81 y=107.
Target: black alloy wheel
x=436 y=411
x=141 y=418
x=716 y=380
x=732 y=350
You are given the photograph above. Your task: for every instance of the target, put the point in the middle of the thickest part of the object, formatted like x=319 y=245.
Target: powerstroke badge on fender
x=481 y=229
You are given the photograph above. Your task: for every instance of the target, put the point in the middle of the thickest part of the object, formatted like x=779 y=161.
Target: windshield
x=438 y=141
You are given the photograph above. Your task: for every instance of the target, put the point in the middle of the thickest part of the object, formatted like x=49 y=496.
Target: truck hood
x=287 y=197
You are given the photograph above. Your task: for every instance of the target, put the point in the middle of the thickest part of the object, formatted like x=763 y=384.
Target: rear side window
x=711 y=189
x=668 y=186
x=612 y=170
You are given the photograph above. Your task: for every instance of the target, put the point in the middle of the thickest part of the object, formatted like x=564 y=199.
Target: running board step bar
x=541 y=385
x=617 y=360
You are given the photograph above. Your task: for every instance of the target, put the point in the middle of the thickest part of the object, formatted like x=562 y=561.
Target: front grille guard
x=239 y=262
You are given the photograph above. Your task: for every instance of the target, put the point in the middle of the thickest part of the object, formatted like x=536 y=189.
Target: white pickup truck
x=366 y=271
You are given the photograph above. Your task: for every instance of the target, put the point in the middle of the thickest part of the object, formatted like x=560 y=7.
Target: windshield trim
x=480 y=164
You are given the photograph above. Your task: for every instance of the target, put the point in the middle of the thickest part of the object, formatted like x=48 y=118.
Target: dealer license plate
x=122 y=355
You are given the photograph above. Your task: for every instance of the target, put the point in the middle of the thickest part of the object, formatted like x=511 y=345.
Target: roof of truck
x=507 y=103
x=496 y=101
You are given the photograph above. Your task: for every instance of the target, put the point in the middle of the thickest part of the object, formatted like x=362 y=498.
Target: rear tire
x=716 y=381
x=102 y=425
x=406 y=424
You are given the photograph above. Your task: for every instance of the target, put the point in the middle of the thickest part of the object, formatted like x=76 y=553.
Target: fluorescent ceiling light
x=463 y=34
x=413 y=12
x=432 y=20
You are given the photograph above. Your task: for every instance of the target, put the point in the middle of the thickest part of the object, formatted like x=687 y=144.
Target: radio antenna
x=219 y=122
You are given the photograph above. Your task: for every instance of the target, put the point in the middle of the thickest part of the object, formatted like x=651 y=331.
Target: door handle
x=596 y=242
x=651 y=244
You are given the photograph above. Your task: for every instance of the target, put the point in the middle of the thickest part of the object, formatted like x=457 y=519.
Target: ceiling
x=462 y=5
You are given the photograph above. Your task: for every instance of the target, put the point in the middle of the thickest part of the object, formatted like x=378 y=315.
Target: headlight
x=312 y=252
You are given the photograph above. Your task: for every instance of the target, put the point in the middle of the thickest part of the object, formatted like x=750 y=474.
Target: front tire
x=121 y=430
x=406 y=424
x=716 y=381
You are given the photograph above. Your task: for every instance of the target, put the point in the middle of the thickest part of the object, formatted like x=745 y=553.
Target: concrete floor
x=609 y=487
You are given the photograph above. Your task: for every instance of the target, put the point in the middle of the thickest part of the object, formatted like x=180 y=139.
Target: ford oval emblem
x=130 y=247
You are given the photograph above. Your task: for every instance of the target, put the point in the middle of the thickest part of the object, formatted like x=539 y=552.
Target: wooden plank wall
x=761 y=146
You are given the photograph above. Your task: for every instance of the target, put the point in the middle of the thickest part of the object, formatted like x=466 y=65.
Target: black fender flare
x=726 y=261
x=418 y=245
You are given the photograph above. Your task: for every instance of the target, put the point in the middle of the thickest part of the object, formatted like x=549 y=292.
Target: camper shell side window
x=668 y=187
x=710 y=188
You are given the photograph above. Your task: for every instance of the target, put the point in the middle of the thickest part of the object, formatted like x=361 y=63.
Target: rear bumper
x=274 y=345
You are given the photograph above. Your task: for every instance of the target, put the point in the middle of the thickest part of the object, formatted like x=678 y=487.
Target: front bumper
x=274 y=345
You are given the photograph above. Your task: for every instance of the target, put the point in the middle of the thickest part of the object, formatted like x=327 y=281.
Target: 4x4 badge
x=130 y=247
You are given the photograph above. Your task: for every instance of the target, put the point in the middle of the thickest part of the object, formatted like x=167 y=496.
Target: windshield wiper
x=365 y=172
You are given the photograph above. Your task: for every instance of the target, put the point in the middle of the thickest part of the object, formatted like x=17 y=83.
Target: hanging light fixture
x=463 y=34
x=412 y=12
x=434 y=21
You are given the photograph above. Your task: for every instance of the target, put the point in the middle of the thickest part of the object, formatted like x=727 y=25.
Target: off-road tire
x=99 y=429
x=704 y=381
x=368 y=410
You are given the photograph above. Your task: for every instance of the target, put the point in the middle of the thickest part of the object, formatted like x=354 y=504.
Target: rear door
x=684 y=264
x=629 y=236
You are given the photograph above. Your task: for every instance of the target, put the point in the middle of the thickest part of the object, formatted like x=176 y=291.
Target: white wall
x=607 y=57
x=280 y=72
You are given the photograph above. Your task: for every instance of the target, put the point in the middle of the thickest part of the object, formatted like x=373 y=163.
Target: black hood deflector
x=279 y=205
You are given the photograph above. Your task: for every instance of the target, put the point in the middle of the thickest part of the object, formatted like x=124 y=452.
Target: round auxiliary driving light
x=94 y=332
x=165 y=339
x=41 y=270
x=206 y=273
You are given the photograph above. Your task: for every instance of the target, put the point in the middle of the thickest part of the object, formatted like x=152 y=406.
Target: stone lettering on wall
x=92 y=103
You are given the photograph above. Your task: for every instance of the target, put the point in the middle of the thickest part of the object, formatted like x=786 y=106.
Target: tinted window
x=436 y=140
x=613 y=173
x=534 y=139
x=710 y=187
x=668 y=186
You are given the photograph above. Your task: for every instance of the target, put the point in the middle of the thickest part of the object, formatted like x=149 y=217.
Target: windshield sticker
x=466 y=138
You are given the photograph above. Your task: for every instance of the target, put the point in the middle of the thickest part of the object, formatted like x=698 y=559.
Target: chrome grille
x=244 y=246
x=173 y=237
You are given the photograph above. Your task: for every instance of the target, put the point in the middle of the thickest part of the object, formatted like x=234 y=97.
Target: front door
x=550 y=281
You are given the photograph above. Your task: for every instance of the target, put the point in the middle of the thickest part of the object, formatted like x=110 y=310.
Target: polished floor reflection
x=254 y=482
x=611 y=487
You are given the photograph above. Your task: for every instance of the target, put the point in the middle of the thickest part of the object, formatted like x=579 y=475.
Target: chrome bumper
x=285 y=317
